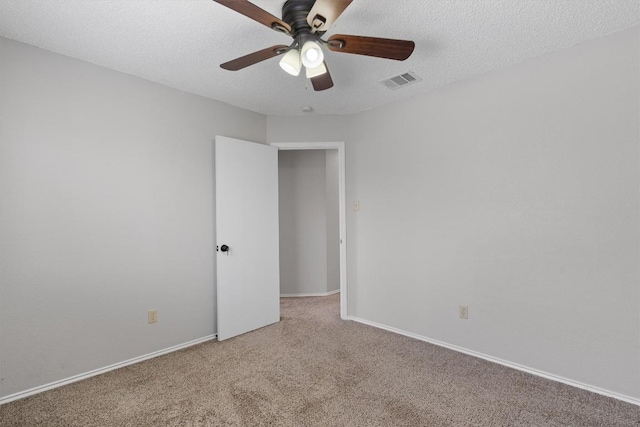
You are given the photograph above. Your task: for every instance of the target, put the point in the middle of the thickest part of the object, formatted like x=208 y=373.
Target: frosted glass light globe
x=290 y=62
x=312 y=55
x=315 y=72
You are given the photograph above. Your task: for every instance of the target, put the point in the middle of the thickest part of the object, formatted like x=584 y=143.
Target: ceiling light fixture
x=290 y=62
x=312 y=55
x=315 y=72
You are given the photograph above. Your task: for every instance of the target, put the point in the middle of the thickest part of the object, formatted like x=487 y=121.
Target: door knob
x=225 y=248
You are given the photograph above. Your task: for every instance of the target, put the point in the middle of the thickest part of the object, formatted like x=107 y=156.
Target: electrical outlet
x=463 y=311
x=356 y=205
x=152 y=316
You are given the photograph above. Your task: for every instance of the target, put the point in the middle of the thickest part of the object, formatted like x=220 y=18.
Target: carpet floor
x=314 y=369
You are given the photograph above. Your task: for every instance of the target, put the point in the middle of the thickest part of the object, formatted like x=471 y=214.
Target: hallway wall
x=309 y=222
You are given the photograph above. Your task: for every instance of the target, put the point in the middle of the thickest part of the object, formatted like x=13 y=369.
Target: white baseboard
x=93 y=373
x=506 y=363
x=322 y=294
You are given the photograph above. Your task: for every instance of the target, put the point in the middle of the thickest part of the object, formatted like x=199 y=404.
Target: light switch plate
x=463 y=311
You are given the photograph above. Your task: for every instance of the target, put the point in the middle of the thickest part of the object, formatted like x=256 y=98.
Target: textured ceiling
x=180 y=43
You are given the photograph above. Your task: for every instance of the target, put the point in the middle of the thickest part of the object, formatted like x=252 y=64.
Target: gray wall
x=106 y=195
x=515 y=193
x=303 y=221
x=309 y=234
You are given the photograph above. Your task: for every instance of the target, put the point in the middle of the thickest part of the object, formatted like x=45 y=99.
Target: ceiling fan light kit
x=290 y=62
x=317 y=71
x=307 y=21
x=311 y=53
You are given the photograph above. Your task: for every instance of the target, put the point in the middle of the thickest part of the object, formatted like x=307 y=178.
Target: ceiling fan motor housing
x=294 y=13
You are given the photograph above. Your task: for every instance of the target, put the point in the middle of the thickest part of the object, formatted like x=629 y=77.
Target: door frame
x=340 y=146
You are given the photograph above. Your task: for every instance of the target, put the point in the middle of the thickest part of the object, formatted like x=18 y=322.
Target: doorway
x=327 y=162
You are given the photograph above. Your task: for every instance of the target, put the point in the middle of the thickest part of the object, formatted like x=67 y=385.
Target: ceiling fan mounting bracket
x=282 y=50
x=318 y=22
x=279 y=28
x=335 y=43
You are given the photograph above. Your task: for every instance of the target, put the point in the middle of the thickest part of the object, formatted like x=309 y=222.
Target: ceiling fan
x=307 y=21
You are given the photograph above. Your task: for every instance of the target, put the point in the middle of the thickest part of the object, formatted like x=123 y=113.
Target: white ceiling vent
x=401 y=80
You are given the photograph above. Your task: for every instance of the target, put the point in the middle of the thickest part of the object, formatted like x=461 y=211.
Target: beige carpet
x=313 y=369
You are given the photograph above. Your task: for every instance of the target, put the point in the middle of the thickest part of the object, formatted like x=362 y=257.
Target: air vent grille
x=401 y=80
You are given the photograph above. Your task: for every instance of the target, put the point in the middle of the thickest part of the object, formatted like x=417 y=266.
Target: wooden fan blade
x=372 y=46
x=252 y=11
x=323 y=81
x=253 y=58
x=325 y=12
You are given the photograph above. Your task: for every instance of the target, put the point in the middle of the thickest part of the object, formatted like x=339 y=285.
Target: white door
x=248 y=272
